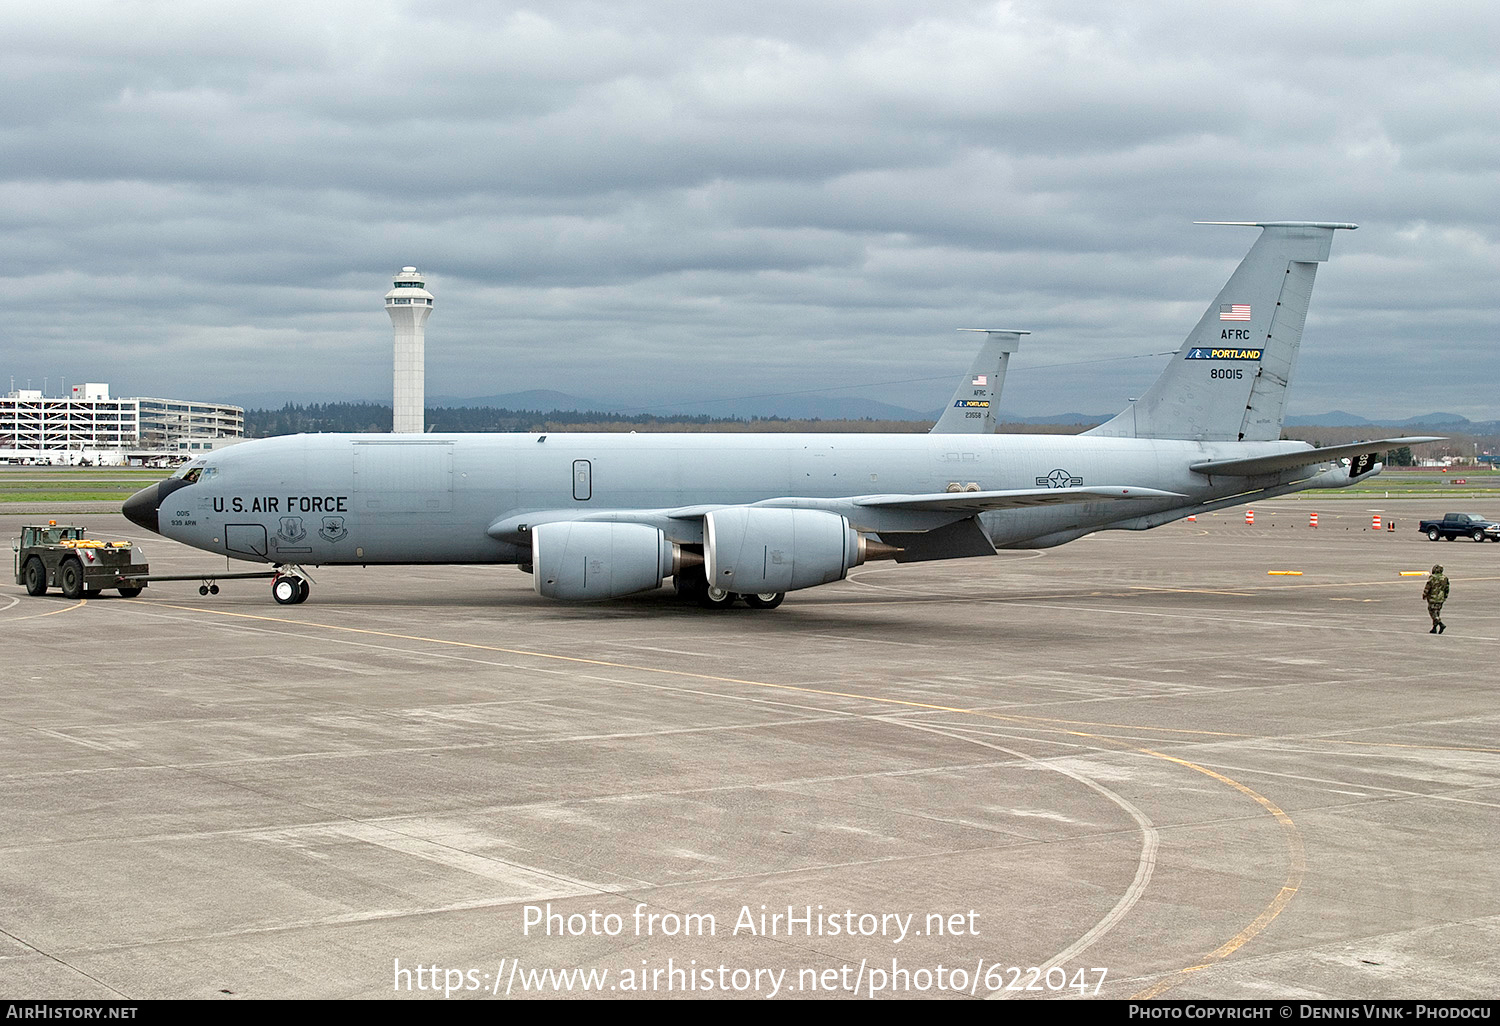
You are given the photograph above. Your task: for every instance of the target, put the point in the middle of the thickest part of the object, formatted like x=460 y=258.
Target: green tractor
x=62 y=556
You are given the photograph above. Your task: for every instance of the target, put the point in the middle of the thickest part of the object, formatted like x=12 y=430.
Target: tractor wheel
x=36 y=577
x=70 y=578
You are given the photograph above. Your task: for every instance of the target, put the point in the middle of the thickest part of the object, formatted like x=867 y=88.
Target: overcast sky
x=661 y=200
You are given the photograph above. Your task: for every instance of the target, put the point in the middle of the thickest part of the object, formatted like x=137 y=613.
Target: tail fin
x=975 y=402
x=1229 y=379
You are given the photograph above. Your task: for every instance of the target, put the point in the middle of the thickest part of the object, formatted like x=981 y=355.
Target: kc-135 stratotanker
x=754 y=516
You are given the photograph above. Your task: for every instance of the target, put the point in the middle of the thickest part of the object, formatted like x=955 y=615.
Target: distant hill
x=1436 y=419
x=277 y=399
x=790 y=407
x=813 y=407
x=533 y=399
x=1057 y=418
x=1445 y=421
x=785 y=407
x=1335 y=418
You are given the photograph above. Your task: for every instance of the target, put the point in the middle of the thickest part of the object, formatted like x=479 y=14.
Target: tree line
x=375 y=418
x=358 y=418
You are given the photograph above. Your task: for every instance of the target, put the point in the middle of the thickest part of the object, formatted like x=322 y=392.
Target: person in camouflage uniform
x=1435 y=591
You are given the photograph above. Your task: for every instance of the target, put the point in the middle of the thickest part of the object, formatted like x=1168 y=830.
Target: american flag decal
x=980 y=379
x=1234 y=312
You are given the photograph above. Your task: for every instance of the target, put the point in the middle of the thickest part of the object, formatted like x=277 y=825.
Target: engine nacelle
x=582 y=560
x=756 y=549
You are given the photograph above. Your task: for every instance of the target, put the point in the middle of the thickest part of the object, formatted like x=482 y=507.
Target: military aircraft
x=975 y=402
x=754 y=516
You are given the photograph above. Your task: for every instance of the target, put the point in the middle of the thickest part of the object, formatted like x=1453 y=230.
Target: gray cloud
x=670 y=199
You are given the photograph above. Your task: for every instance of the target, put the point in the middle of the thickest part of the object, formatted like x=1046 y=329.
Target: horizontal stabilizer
x=1278 y=462
x=959 y=502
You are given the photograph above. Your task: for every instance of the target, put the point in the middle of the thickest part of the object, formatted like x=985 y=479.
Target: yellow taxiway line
x=1296 y=850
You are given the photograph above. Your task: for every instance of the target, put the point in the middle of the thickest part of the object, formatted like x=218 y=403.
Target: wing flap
x=958 y=540
x=977 y=502
x=1277 y=462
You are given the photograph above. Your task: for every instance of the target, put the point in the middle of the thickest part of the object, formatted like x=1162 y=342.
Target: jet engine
x=755 y=549
x=580 y=561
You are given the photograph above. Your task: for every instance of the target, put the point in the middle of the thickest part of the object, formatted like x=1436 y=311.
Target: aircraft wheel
x=1478 y=536
x=70 y=578
x=303 y=589
x=36 y=577
x=285 y=590
x=765 y=600
x=716 y=598
x=213 y=589
x=1433 y=534
x=130 y=592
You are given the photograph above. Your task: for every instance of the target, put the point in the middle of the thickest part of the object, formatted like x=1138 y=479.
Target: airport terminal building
x=35 y=426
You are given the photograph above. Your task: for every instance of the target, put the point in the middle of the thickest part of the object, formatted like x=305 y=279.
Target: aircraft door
x=583 y=483
x=246 y=539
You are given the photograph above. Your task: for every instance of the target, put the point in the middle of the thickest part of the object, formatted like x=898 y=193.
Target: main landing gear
x=692 y=584
x=289 y=587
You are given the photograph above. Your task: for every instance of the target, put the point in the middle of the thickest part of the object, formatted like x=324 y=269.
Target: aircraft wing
x=978 y=502
x=1280 y=461
x=915 y=512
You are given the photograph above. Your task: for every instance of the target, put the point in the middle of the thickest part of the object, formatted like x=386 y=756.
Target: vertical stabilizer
x=975 y=402
x=1228 y=381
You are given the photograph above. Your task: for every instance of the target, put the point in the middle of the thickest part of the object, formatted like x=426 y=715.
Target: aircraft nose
x=141 y=508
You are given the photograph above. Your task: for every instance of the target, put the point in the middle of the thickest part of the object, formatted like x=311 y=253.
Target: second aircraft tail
x=1228 y=381
x=976 y=401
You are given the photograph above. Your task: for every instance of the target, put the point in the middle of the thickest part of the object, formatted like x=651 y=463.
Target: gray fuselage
x=391 y=499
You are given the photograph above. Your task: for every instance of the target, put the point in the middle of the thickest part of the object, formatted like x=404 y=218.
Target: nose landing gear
x=290 y=587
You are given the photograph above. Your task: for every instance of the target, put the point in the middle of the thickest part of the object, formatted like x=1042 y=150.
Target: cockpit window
x=197 y=472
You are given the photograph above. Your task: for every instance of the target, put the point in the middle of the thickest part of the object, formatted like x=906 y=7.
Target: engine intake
x=579 y=561
x=753 y=549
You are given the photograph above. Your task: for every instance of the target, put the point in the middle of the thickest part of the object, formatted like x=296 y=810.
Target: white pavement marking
x=1145 y=864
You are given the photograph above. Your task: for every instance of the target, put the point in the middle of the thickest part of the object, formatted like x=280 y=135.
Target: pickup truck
x=1461 y=525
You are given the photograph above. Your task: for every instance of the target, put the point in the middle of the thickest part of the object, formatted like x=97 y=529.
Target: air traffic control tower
x=409 y=303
